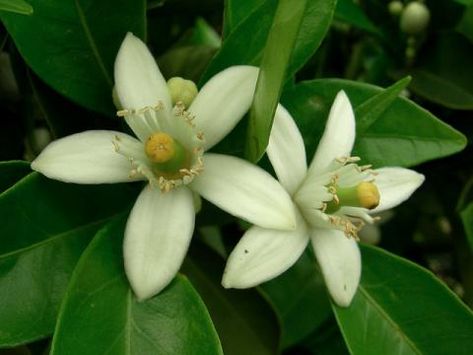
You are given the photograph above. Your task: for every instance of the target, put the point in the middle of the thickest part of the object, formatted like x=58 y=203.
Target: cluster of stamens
x=360 y=175
x=172 y=155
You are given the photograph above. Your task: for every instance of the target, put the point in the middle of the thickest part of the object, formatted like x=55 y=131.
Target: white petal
x=263 y=254
x=339 y=134
x=223 y=101
x=138 y=81
x=395 y=185
x=286 y=151
x=340 y=261
x=87 y=158
x=157 y=236
x=246 y=191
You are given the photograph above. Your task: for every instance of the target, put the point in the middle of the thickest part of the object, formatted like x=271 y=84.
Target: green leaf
x=443 y=74
x=303 y=311
x=101 y=315
x=245 y=45
x=45 y=226
x=188 y=61
x=369 y=111
x=401 y=308
x=11 y=172
x=404 y=135
x=278 y=49
x=236 y=11
x=204 y=34
x=61 y=115
x=72 y=45
x=16 y=6
x=244 y=320
x=350 y=12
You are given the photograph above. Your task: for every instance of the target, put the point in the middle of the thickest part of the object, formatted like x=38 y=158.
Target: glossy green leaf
x=369 y=111
x=11 y=172
x=16 y=6
x=300 y=298
x=187 y=61
x=401 y=308
x=236 y=11
x=244 y=45
x=404 y=135
x=244 y=320
x=278 y=49
x=350 y=12
x=101 y=315
x=75 y=44
x=443 y=74
x=204 y=34
x=45 y=226
x=62 y=116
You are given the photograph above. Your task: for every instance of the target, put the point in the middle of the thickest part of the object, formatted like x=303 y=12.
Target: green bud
x=415 y=18
x=182 y=90
x=395 y=8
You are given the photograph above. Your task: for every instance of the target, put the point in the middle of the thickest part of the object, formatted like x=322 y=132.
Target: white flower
x=169 y=154
x=334 y=197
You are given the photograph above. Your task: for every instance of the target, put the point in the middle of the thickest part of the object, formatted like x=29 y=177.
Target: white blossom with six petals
x=161 y=223
x=263 y=253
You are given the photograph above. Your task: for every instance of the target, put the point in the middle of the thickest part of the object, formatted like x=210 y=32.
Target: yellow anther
x=160 y=147
x=368 y=195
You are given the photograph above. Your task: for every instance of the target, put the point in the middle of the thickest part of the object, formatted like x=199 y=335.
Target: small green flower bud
x=395 y=8
x=415 y=18
x=182 y=90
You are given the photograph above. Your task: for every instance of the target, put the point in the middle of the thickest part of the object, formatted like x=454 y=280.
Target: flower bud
x=415 y=18
x=395 y=7
x=182 y=90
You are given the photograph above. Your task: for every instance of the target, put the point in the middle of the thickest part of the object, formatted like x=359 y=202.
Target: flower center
x=168 y=157
x=161 y=147
x=340 y=197
x=171 y=155
x=364 y=194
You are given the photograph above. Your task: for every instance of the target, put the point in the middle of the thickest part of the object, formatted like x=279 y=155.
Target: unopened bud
x=395 y=8
x=182 y=90
x=414 y=18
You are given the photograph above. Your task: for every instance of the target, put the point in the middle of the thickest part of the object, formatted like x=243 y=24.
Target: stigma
x=160 y=147
x=368 y=195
